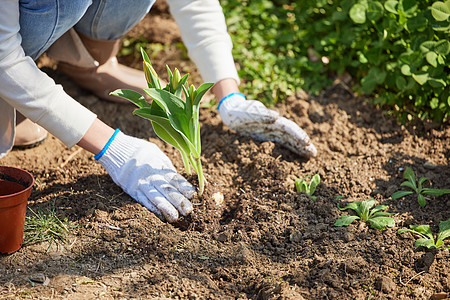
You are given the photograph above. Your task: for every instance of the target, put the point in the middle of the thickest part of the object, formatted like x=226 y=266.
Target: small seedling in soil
x=46 y=226
x=302 y=185
x=175 y=121
x=418 y=188
x=375 y=217
x=425 y=235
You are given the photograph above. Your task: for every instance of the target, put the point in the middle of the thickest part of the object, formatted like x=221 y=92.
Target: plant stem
x=186 y=164
x=201 y=177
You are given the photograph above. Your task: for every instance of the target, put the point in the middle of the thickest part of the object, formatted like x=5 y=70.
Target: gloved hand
x=252 y=118
x=145 y=173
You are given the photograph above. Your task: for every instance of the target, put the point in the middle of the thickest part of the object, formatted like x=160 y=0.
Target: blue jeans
x=42 y=22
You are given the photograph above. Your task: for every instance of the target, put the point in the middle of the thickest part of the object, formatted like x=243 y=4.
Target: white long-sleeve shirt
x=25 y=88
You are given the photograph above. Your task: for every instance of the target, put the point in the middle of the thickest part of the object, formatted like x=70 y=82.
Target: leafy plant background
x=397 y=52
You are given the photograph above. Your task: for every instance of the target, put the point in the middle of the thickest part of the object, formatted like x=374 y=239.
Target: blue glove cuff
x=228 y=96
x=111 y=139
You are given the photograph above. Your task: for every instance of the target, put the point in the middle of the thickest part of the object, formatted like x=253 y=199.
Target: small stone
x=222 y=237
x=218 y=198
x=348 y=237
x=295 y=237
x=440 y=296
x=428 y=165
x=40 y=278
x=385 y=284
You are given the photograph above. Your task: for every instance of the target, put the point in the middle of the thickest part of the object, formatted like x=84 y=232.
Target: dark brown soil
x=264 y=241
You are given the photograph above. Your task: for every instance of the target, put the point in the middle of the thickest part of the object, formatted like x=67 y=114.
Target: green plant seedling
x=302 y=185
x=426 y=236
x=417 y=187
x=375 y=217
x=175 y=121
x=46 y=226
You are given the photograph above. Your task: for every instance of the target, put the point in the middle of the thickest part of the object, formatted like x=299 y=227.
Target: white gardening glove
x=145 y=173
x=252 y=118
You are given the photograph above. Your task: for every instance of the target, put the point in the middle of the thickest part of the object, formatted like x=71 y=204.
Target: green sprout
x=46 y=226
x=376 y=217
x=417 y=187
x=175 y=121
x=426 y=236
x=302 y=185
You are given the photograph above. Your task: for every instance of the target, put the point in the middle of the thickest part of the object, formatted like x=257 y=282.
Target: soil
x=264 y=240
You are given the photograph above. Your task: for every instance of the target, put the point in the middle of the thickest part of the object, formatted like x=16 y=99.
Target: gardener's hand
x=252 y=118
x=145 y=173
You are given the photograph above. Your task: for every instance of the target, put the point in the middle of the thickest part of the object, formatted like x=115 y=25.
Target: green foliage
x=175 y=121
x=302 y=185
x=417 y=187
x=396 y=51
x=46 y=226
x=375 y=217
x=425 y=235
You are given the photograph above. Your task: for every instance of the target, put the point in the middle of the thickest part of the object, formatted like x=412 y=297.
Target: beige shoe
x=109 y=75
x=28 y=133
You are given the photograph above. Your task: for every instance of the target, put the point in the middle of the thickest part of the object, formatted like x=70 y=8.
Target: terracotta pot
x=15 y=188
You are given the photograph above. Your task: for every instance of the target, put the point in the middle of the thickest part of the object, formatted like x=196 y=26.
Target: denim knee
x=42 y=22
x=111 y=19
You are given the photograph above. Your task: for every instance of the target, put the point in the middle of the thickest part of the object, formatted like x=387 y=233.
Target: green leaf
x=427 y=243
x=164 y=128
x=431 y=58
x=149 y=71
x=440 y=10
x=314 y=183
x=422 y=200
x=410 y=184
x=132 y=96
x=400 y=82
x=391 y=6
x=381 y=223
x=378 y=208
x=440 y=26
x=382 y=214
x=418 y=23
x=164 y=135
x=201 y=91
x=409 y=7
x=345 y=221
x=409 y=174
x=435 y=192
x=422 y=229
x=364 y=208
x=412 y=231
x=436 y=83
x=358 y=13
x=352 y=205
x=174 y=107
x=400 y=194
x=180 y=86
x=170 y=74
x=300 y=185
x=444 y=230
x=427 y=46
x=406 y=70
x=375 y=11
x=442 y=47
x=374 y=76
x=420 y=77
x=421 y=182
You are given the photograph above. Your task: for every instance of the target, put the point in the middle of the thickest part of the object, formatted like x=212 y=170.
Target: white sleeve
x=31 y=91
x=204 y=32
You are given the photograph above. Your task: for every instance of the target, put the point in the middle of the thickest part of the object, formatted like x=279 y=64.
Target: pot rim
x=26 y=173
